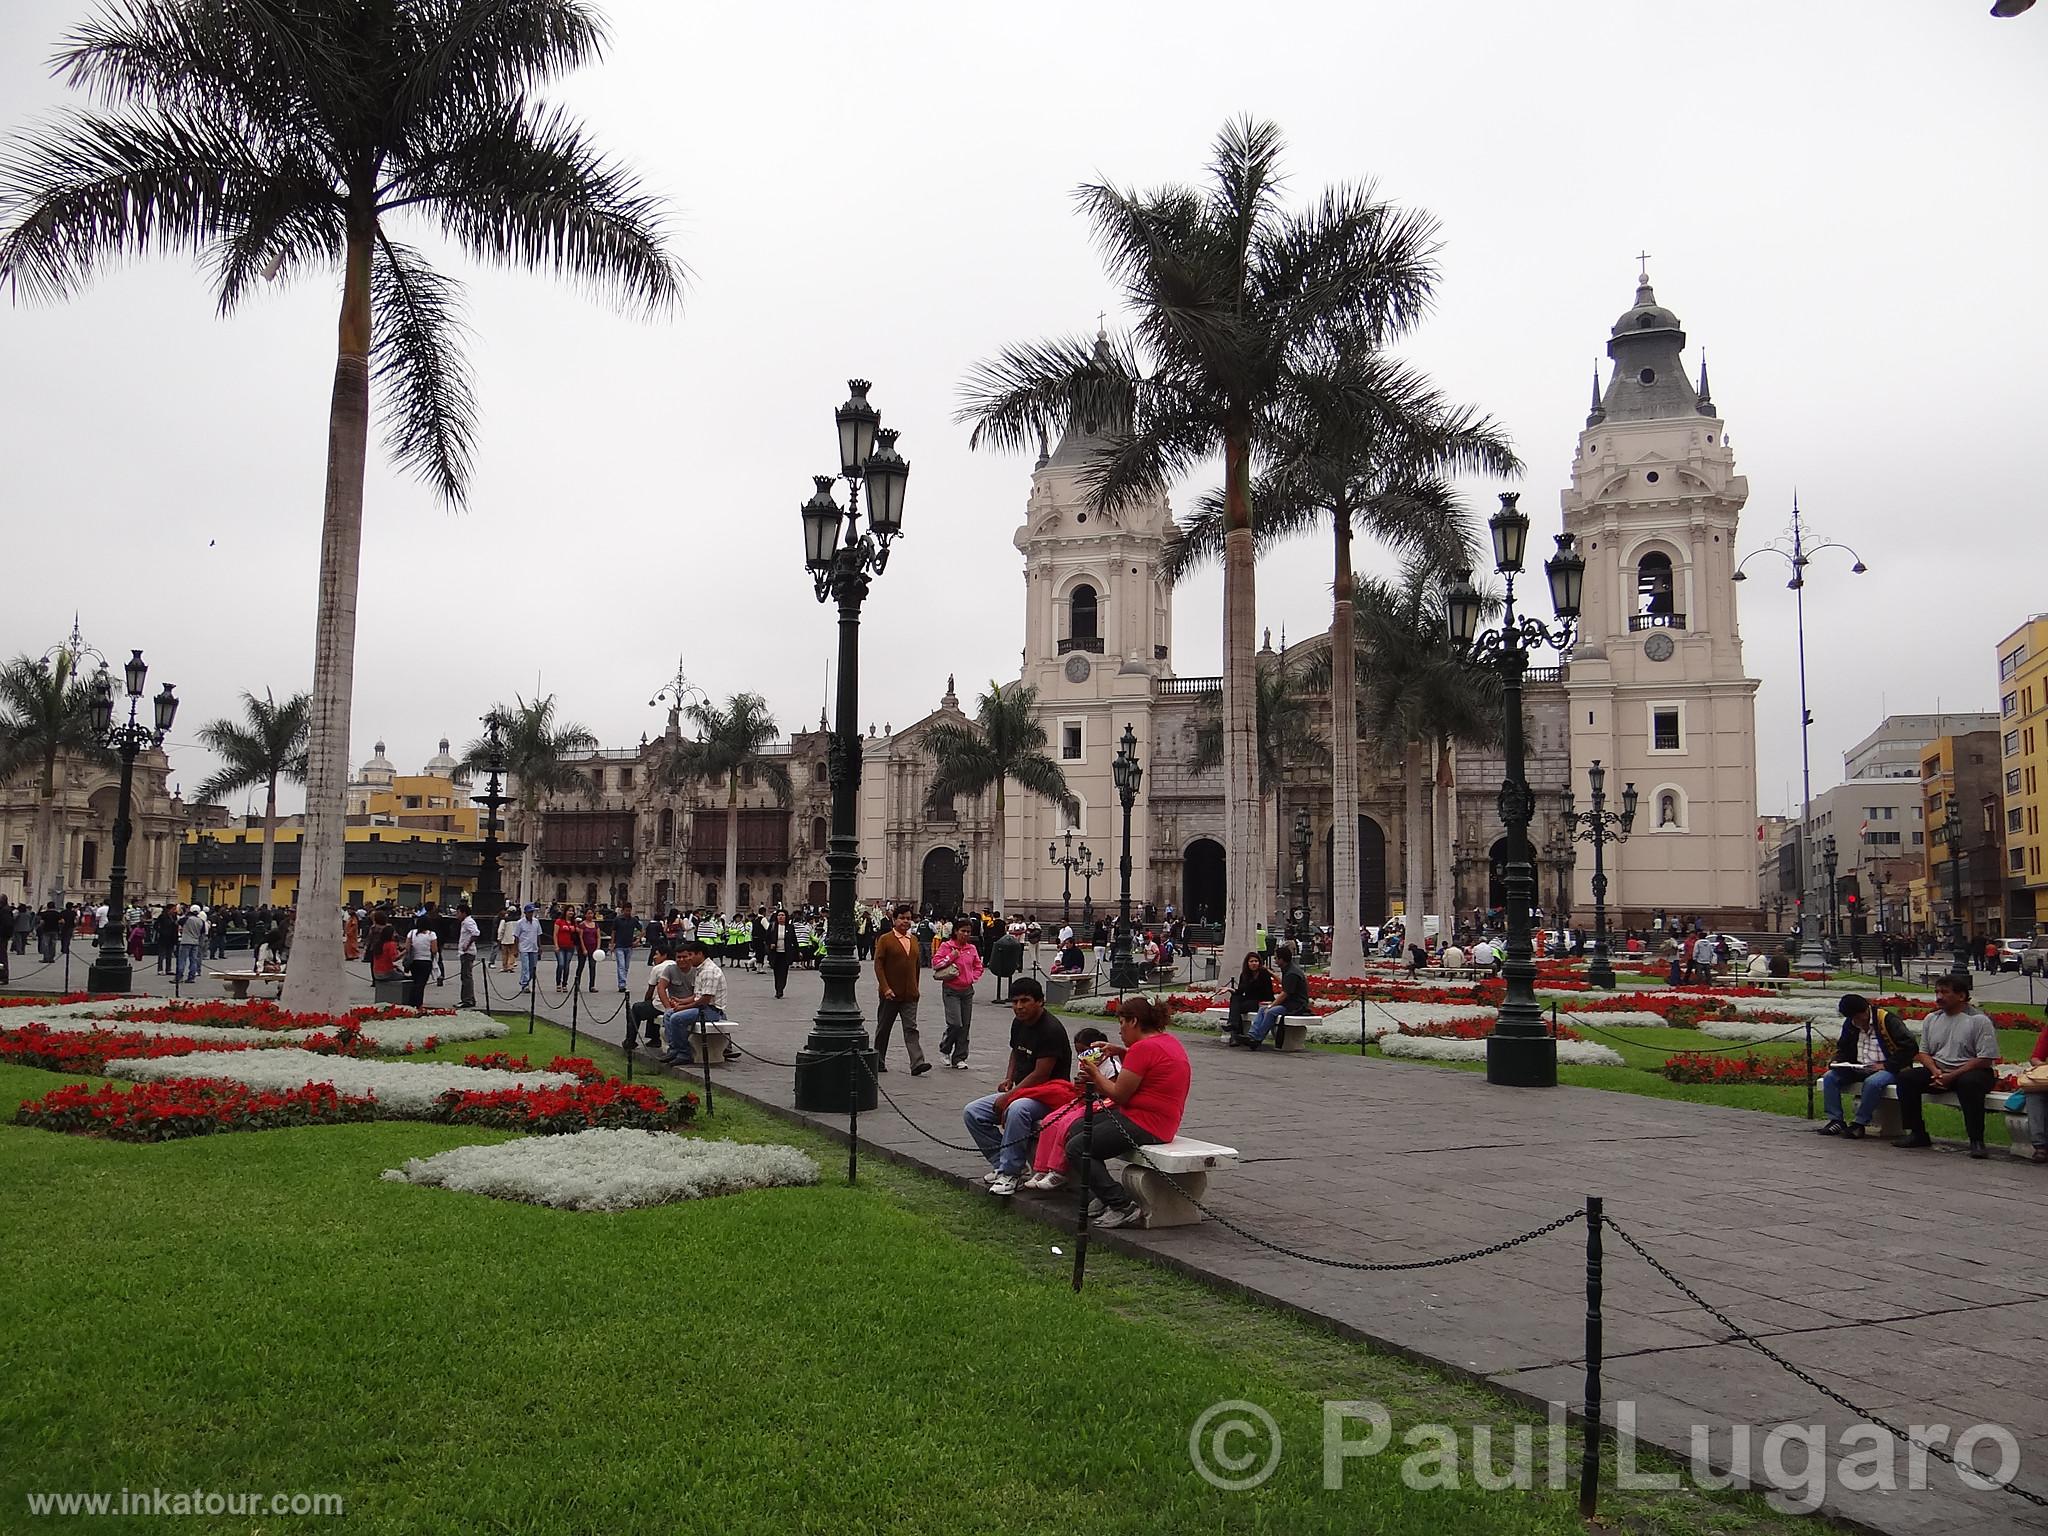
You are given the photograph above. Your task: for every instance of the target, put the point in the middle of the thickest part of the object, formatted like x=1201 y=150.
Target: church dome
x=441 y=765
x=1646 y=314
x=378 y=770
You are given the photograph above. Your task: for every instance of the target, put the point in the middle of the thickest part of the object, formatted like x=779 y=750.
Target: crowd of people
x=179 y=934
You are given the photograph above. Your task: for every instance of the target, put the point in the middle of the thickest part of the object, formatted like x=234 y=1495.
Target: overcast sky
x=1844 y=202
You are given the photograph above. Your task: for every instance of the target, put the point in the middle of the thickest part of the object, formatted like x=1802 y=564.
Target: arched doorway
x=941 y=888
x=661 y=894
x=711 y=896
x=1204 y=883
x=746 y=897
x=1372 y=873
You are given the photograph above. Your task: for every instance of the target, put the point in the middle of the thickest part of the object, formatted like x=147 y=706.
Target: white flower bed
x=1570 y=1053
x=609 y=1170
x=1761 y=1029
x=386 y=1034
x=1629 y=1020
x=410 y=1087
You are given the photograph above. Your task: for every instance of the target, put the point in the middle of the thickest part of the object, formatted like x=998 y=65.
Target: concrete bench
x=238 y=983
x=1189 y=1162
x=704 y=1037
x=1888 y=1123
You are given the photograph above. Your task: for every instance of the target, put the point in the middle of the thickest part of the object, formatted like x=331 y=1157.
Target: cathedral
x=1654 y=690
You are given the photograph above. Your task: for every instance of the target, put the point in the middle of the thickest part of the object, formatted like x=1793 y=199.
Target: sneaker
x=1005 y=1185
x=961 y=1064
x=1036 y=1181
x=1913 y=1139
x=1859 y=1130
x=1834 y=1128
x=1132 y=1215
x=1096 y=1209
x=990 y=1177
x=1051 y=1180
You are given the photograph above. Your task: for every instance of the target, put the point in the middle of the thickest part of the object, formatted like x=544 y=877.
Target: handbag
x=2034 y=1079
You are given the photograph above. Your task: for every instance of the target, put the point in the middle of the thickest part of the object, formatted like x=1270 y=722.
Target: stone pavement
x=1914 y=1283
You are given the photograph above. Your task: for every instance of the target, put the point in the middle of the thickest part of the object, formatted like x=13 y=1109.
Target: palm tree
x=45 y=713
x=1419 y=693
x=1235 y=299
x=1287 y=735
x=1005 y=742
x=1365 y=450
x=731 y=744
x=266 y=744
x=540 y=755
x=274 y=139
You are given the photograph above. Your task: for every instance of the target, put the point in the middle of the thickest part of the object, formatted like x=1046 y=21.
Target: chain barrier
x=1744 y=1336
x=1001 y=1147
x=1579 y=1021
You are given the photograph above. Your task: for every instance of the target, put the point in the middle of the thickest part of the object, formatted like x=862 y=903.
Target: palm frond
x=429 y=402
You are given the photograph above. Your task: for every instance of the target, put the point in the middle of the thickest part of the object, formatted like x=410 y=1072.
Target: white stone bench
x=703 y=1036
x=1888 y=1123
x=1189 y=1162
x=239 y=982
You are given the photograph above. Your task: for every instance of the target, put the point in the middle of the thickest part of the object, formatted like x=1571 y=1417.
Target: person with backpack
x=1874 y=1049
x=422 y=946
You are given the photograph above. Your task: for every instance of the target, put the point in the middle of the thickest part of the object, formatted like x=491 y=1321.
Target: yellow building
x=1960 y=800
x=224 y=867
x=420 y=802
x=2023 y=771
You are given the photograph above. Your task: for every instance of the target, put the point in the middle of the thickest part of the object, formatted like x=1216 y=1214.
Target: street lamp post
x=835 y=1069
x=1799 y=556
x=1519 y=1053
x=1127 y=772
x=489 y=902
x=1564 y=856
x=1600 y=826
x=1951 y=834
x=962 y=856
x=1070 y=861
x=110 y=971
x=1090 y=873
x=1828 y=857
x=1299 y=927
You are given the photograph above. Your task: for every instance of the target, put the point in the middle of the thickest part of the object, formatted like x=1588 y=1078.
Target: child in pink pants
x=1049 y=1157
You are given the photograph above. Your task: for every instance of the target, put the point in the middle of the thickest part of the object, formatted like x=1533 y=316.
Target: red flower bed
x=607 y=1104
x=1477 y=1027
x=262 y=1014
x=1180 y=1002
x=187 y=1106
x=37 y=1045
x=68 y=997
x=1790 y=1070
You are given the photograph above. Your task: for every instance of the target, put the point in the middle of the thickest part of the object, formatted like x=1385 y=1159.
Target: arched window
x=746 y=896
x=821 y=832
x=665 y=828
x=1081 y=613
x=1655 y=590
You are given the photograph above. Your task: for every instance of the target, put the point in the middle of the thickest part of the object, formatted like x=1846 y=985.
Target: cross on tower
x=1643 y=269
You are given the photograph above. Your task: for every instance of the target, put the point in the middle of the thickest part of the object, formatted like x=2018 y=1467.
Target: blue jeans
x=562 y=959
x=1007 y=1146
x=676 y=1028
x=188 y=962
x=625 y=958
x=529 y=962
x=1269 y=1016
x=1866 y=1102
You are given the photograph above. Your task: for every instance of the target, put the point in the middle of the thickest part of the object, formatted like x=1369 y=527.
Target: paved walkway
x=1915 y=1284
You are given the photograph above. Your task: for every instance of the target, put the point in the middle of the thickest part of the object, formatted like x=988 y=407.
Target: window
x=1655 y=589
x=2012 y=781
x=14 y=853
x=2012 y=743
x=665 y=828
x=2016 y=860
x=2007 y=665
x=821 y=772
x=625 y=778
x=412 y=802
x=1081 y=613
x=1917 y=839
x=2015 y=819
x=89 y=860
x=1070 y=741
x=1665 y=733
x=2009 y=704
x=821 y=833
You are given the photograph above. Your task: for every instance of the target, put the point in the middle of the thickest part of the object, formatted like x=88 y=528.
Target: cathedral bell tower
x=1656 y=685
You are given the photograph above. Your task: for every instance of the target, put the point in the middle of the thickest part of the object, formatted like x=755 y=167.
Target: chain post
x=853 y=1129
x=704 y=1057
x=1589 y=1457
x=575 y=1017
x=1809 y=1067
x=1080 y=1179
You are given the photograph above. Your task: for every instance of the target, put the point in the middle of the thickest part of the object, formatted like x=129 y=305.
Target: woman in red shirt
x=565 y=947
x=1142 y=1105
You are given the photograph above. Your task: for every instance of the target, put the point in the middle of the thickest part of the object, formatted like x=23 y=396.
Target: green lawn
x=259 y=1311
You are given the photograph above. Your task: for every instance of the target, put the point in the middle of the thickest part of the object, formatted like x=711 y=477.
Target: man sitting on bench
x=1958 y=1048
x=1293 y=998
x=1880 y=1047
x=703 y=1002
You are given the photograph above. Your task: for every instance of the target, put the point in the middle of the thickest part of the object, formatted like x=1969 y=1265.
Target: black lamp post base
x=1521 y=1061
x=834 y=1080
x=1124 y=973
x=110 y=975
x=1600 y=972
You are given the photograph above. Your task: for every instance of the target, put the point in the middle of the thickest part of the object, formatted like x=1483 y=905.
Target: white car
x=2016 y=955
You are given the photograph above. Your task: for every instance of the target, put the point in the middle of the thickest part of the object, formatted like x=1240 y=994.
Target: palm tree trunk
x=732 y=842
x=1445 y=823
x=526 y=856
x=46 y=880
x=1243 y=805
x=1415 y=763
x=996 y=862
x=269 y=841
x=316 y=981
x=1347 y=951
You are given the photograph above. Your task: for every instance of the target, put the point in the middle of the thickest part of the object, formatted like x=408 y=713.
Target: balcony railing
x=1656 y=621
x=1544 y=675
x=1185 y=687
x=1089 y=643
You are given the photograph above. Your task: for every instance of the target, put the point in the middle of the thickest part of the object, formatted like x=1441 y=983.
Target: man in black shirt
x=1293 y=1000
x=1004 y=1124
x=624 y=935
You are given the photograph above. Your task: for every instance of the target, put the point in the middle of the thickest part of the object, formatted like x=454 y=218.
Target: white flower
x=1758 y=1029
x=1570 y=1053
x=609 y=1170
x=409 y=1087
x=385 y=1034
x=1627 y=1020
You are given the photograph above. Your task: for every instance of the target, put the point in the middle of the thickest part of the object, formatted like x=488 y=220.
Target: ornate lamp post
x=1827 y=861
x=1950 y=835
x=1600 y=826
x=1069 y=861
x=1518 y=1053
x=1799 y=556
x=833 y=1071
x=1128 y=773
x=1299 y=927
x=1564 y=857
x=1090 y=873
x=110 y=971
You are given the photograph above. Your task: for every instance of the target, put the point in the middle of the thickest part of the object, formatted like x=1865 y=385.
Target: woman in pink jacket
x=956 y=966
